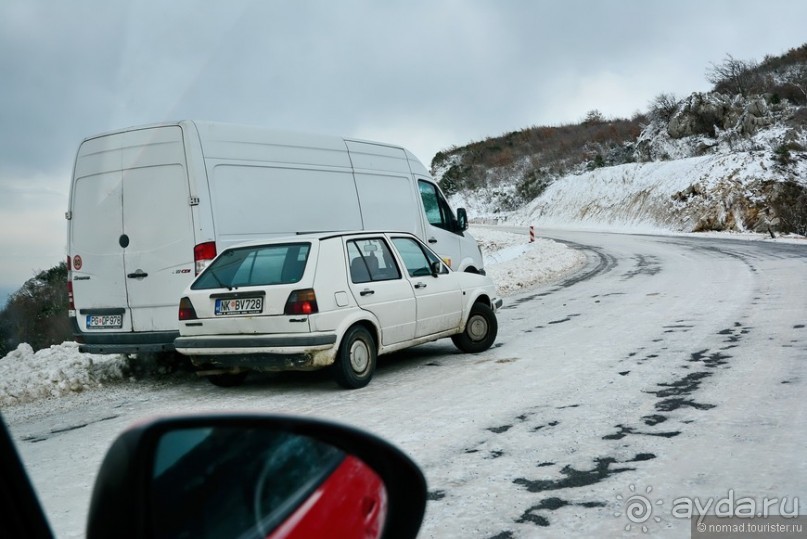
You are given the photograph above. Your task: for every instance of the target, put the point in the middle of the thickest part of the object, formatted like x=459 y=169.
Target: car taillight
x=302 y=302
x=203 y=253
x=186 y=310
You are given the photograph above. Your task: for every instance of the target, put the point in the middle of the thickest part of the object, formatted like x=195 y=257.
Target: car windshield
x=255 y=266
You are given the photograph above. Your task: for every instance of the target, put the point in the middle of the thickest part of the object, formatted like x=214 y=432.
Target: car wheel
x=227 y=380
x=480 y=330
x=355 y=361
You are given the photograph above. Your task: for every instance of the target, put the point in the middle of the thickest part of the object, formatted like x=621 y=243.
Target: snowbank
x=514 y=264
x=25 y=376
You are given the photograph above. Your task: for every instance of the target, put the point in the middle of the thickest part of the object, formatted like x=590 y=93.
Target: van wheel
x=228 y=380
x=355 y=361
x=480 y=330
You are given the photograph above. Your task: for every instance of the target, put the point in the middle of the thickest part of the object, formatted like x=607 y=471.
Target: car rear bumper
x=260 y=352
x=228 y=343
x=259 y=362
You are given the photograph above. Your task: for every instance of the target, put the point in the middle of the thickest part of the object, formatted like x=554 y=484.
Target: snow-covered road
x=669 y=367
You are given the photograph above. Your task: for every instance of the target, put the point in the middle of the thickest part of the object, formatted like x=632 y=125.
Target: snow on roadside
x=514 y=264
x=25 y=376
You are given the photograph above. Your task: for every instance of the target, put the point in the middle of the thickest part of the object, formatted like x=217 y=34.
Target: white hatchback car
x=331 y=299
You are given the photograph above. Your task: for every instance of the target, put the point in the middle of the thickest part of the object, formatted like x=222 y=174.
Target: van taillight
x=71 y=304
x=186 y=310
x=203 y=253
x=302 y=302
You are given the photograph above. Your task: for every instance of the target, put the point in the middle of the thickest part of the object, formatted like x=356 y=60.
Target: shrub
x=790 y=205
x=532 y=185
x=37 y=312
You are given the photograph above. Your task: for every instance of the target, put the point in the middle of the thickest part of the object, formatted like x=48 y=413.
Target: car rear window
x=255 y=266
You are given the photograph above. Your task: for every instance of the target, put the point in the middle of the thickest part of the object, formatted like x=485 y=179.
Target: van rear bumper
x=125 y=343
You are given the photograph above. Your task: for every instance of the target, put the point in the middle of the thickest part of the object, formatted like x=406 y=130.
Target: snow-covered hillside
x=712 y=192
x=716 y=163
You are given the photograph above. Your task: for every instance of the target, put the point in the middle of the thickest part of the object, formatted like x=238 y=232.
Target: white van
x=151 y=206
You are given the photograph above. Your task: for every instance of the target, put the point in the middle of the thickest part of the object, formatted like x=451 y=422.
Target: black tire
x=228 y=380
x=356 y=359
x=480 y=330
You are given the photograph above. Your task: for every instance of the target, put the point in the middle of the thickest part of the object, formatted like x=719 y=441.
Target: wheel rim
x=359 y=356
x=477 y=328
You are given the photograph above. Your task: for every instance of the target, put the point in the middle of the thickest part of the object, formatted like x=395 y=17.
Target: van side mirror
x=436 y=268
x=462 y=219
x=253 y=475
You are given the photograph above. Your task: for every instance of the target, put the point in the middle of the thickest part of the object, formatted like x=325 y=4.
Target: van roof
x=281 y=134
x=242 y=132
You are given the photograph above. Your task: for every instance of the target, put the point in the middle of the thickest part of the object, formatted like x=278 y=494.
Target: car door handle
x=432 y=240
x=420 y=285
x=139 y=274
x=366 y=292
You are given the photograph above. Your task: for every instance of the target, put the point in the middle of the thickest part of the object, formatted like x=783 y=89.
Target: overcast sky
x=426 y=74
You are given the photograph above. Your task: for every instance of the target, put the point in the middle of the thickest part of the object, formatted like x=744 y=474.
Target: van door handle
x=420 y=285
x=139 y=274
x=432 y=240
x=366 y=292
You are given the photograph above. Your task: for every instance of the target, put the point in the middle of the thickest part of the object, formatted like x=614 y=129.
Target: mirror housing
x=121 y=503
x=436 y=267
x=462 y=219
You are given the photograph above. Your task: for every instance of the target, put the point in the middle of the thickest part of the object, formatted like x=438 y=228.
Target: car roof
x=316 y=236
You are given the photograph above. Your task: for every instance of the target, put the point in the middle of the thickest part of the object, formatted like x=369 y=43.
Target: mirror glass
x=246 y=482
x=462 y=219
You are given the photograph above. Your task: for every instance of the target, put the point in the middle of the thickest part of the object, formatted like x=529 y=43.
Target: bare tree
x=796 y=76
x=663 y=106
x=735 y=75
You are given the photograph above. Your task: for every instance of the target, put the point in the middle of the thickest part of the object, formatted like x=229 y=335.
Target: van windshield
x=255 y=266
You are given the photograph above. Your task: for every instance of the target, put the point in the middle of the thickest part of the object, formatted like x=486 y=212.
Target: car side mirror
x=462 y=219
x=436 y=268
x=254 y=476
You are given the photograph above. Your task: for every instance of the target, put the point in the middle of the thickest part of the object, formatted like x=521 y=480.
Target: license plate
x=104 y=321
x=225 y=307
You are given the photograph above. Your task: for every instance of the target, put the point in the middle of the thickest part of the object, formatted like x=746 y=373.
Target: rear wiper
x=218 y=281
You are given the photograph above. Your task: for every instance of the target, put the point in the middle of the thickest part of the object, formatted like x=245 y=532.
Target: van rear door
x=131 y=230
x=158 y=261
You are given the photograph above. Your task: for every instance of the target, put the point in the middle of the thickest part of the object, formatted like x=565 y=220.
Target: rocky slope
x=711 y=161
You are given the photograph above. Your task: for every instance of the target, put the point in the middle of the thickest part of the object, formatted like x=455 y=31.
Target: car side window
x=371 y=260
x=416 y=259
x=438 y=213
